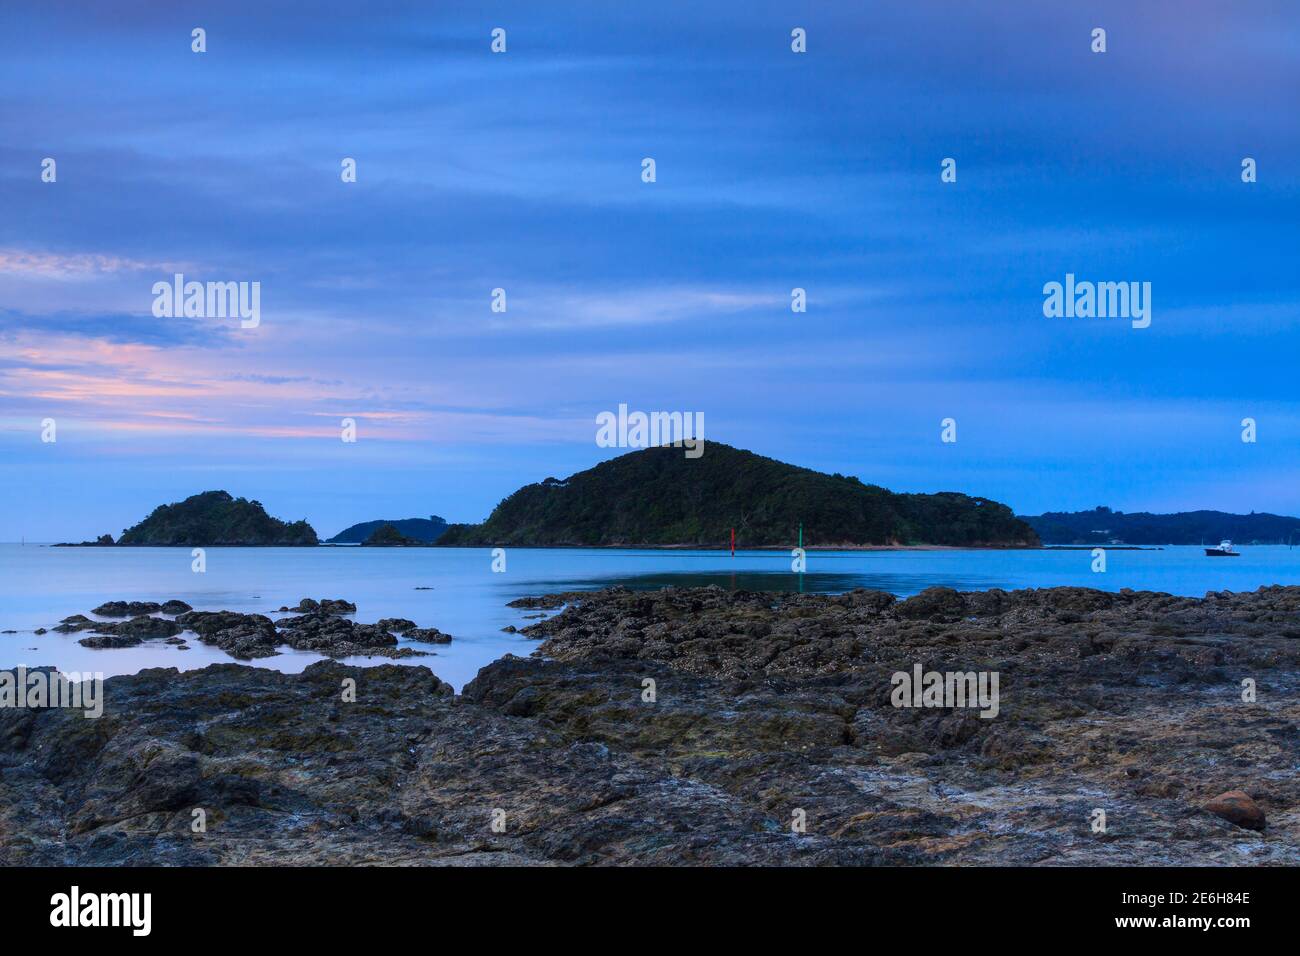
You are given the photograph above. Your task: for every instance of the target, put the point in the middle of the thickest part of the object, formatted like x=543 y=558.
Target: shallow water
x=40 y=585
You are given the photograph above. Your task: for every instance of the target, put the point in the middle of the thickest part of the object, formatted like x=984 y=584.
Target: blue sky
x=522 y=171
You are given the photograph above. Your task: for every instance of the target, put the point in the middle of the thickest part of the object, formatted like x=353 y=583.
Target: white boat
x=1224 y=550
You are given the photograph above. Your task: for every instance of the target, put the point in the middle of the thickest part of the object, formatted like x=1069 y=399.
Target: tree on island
x=659 y=497
x=386 y=536
x=216 y=518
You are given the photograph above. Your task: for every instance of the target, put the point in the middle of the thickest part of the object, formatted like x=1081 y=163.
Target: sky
x=522 y=171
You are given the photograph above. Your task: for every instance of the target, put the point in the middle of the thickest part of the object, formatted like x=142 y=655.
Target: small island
x=421 y=530
x=387 y=536
x=211 y=519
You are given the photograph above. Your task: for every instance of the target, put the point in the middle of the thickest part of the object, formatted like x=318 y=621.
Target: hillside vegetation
x=658 y=497
x=216 y=518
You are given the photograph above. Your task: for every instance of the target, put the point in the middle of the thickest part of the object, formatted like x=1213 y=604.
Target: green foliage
x=215 y=518
x=387 y=536
x=659 y=497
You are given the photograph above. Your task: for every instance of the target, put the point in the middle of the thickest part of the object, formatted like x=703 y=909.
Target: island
x=656 y=497
x=387 y=536
x=421 y=530
x=215 y=518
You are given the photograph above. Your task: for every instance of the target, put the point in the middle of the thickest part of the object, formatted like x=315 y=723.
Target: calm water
x=40 y=585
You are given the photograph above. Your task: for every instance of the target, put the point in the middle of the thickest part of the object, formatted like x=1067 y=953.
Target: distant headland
x=411 y=530
x=1104 y=526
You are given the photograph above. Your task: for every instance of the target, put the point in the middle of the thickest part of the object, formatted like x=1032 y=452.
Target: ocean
x=40 y=585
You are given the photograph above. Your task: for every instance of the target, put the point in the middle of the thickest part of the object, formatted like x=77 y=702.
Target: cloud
x=75 y=266
x=522 y=171
x=116 y=328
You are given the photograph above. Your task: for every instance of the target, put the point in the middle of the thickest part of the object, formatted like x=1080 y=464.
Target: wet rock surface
x=429 y=635
x=1237 y=807
x=321 y=627
x=137 y=608
x=694 y=726
x=323 y=606
x=138 y=629
x=74 y=623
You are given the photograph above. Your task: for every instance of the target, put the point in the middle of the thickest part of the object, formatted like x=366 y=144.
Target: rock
x=122 y=633
x=77 y=622
x=242 y=636
x=325 y=606
x=399 y=625
x=548 y=602
x=372 y=635
x=143 y=627
x=428 y=635
x=206 y=623
x=933 y=603
x=764 y=702
x=254 y=636
x=1237 y=807
x=126 y=608
x=175 y=607
x=111 y=640
x=864 y=598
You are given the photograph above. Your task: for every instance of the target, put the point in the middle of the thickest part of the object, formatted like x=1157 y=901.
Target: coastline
x=763 y=704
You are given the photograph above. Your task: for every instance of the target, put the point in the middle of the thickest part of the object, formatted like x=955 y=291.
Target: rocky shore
x=699 y=726
x=319 y=626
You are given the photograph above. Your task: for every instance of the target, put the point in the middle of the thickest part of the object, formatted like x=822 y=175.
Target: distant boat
x=1224 y=550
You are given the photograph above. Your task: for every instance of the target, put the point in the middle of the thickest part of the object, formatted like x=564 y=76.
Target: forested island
x=657 y=497
x=211 y=519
